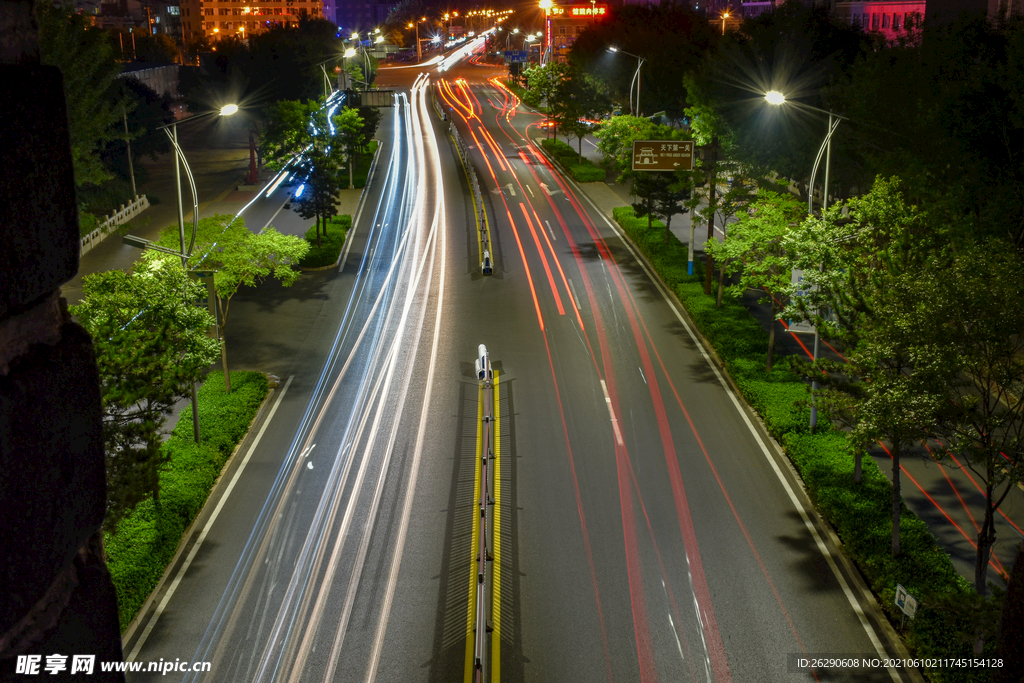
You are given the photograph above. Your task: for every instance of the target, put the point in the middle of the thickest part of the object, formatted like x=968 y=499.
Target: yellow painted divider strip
x=496 y=588
x=471 y=607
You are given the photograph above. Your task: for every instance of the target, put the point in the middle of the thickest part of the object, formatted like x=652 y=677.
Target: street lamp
x=636 y=79
x=775 y=98
x=546 y=6
x=184 y=254
x=419 y=52
x=509 y=35
x=725 y=15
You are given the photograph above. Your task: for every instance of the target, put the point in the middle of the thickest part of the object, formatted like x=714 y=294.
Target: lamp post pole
x=171 y=130
x=636 y=79
x=776 y=98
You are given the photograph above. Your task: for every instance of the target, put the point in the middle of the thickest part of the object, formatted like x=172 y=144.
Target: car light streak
x=282 y=596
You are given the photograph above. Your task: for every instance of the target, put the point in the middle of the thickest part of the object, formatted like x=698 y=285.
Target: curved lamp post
x=636 y=79
x=775 y=98
x=171 y=129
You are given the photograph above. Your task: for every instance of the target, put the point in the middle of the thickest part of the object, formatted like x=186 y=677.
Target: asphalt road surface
x=648 y=529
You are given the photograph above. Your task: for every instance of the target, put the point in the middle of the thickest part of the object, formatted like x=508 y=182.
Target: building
x=357 y=15
x=216 y=19
x=565 y=22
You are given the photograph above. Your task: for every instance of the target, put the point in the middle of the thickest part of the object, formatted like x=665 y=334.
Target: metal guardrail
x=107 y=225
x=486 y=265
x=485 y=512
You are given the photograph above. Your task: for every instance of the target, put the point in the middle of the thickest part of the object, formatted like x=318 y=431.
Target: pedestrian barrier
x=107 y=225
x=485 y=544
x=486 y=266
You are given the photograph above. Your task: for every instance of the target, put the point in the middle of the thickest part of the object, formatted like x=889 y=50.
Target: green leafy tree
x=662 y=195
x=349 y=129
x=975 y=297
x=237 y=258
x=319 y=199
x=542 y=83
x=576 y=98
x=755 y=248
x=151 y=346
x=616 y=135
x=94 y=104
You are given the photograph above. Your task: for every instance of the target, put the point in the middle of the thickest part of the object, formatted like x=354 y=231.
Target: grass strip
x=585 y=171
x=145 y=541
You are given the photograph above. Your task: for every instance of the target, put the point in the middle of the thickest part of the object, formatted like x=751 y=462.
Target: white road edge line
x=206 y=528
x=847 y=591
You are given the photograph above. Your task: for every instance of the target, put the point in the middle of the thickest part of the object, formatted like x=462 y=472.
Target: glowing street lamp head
x=775 y=97
x=228 y=109
x=613 y=49
x=355 y=35
x=545 y=4
x=380 y=39
x=350 y=52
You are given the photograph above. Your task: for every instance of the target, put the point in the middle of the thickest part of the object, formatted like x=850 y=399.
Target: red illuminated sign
x=588 y=10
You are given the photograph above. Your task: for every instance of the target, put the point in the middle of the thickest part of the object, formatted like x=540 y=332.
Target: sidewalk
x=947 y=498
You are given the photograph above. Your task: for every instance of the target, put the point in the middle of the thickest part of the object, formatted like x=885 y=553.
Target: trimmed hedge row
x=569 y=159
x=330 y=244
x=860 y=513
x=145 y=541
x=361 y=169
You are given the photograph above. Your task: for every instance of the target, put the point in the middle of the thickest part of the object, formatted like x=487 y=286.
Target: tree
x=754 y=247
x=616 y=135
x=237 y=257
x=868 y=272
x=662 y=195
x=976 y=297
x=151 y=346
x=322 y=171
x=86 y=60
x=542 y=82
x=576 y=98
x=349 y=127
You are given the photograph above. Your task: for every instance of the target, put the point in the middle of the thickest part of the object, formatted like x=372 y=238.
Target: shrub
x=860 y=513
x=146 y=539
x=569 y=159
x=330 y=244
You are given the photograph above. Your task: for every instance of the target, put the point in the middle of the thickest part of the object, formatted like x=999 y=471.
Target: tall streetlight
x=171 y=129
x=509 y=35
x=545 y=43
x=419 y=52
x=775 y=98
x=725 y=15
x=636 y=79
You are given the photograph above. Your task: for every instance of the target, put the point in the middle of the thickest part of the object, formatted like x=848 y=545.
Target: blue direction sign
x=515 y=56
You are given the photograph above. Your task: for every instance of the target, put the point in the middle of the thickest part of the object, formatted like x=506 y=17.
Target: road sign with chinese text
x=662 y=155
x=512 y=56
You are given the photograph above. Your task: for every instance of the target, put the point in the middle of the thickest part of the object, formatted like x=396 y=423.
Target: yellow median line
x=496 y=588
x=471 y=606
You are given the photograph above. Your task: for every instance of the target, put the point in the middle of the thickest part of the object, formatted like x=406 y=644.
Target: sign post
x=906 y=602
x=662 y=155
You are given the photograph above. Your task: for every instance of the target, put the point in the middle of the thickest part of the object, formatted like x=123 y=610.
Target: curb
x=189 y=532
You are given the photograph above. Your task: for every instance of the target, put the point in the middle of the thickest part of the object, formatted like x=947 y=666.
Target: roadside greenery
x=857 y=510
x=325 y=252
x=237 y=257
x=151 y=346
x=146 y=539
x=567 y=158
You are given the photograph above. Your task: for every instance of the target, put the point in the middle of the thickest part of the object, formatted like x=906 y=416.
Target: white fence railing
x=119 y=217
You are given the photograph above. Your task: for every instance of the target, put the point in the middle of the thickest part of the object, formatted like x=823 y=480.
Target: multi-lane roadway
x=649 y=529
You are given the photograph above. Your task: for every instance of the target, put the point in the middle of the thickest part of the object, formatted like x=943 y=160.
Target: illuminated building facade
x=216 y=19
x=565 y=22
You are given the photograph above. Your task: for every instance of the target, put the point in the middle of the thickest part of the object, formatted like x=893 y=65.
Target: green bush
x=87 y=222
x=146 y=539
x=330 y=244
x=569 y=159
x=860 y=513
x=361 y=170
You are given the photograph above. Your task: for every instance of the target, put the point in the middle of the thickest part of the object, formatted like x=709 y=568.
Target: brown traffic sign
x=662 y=155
